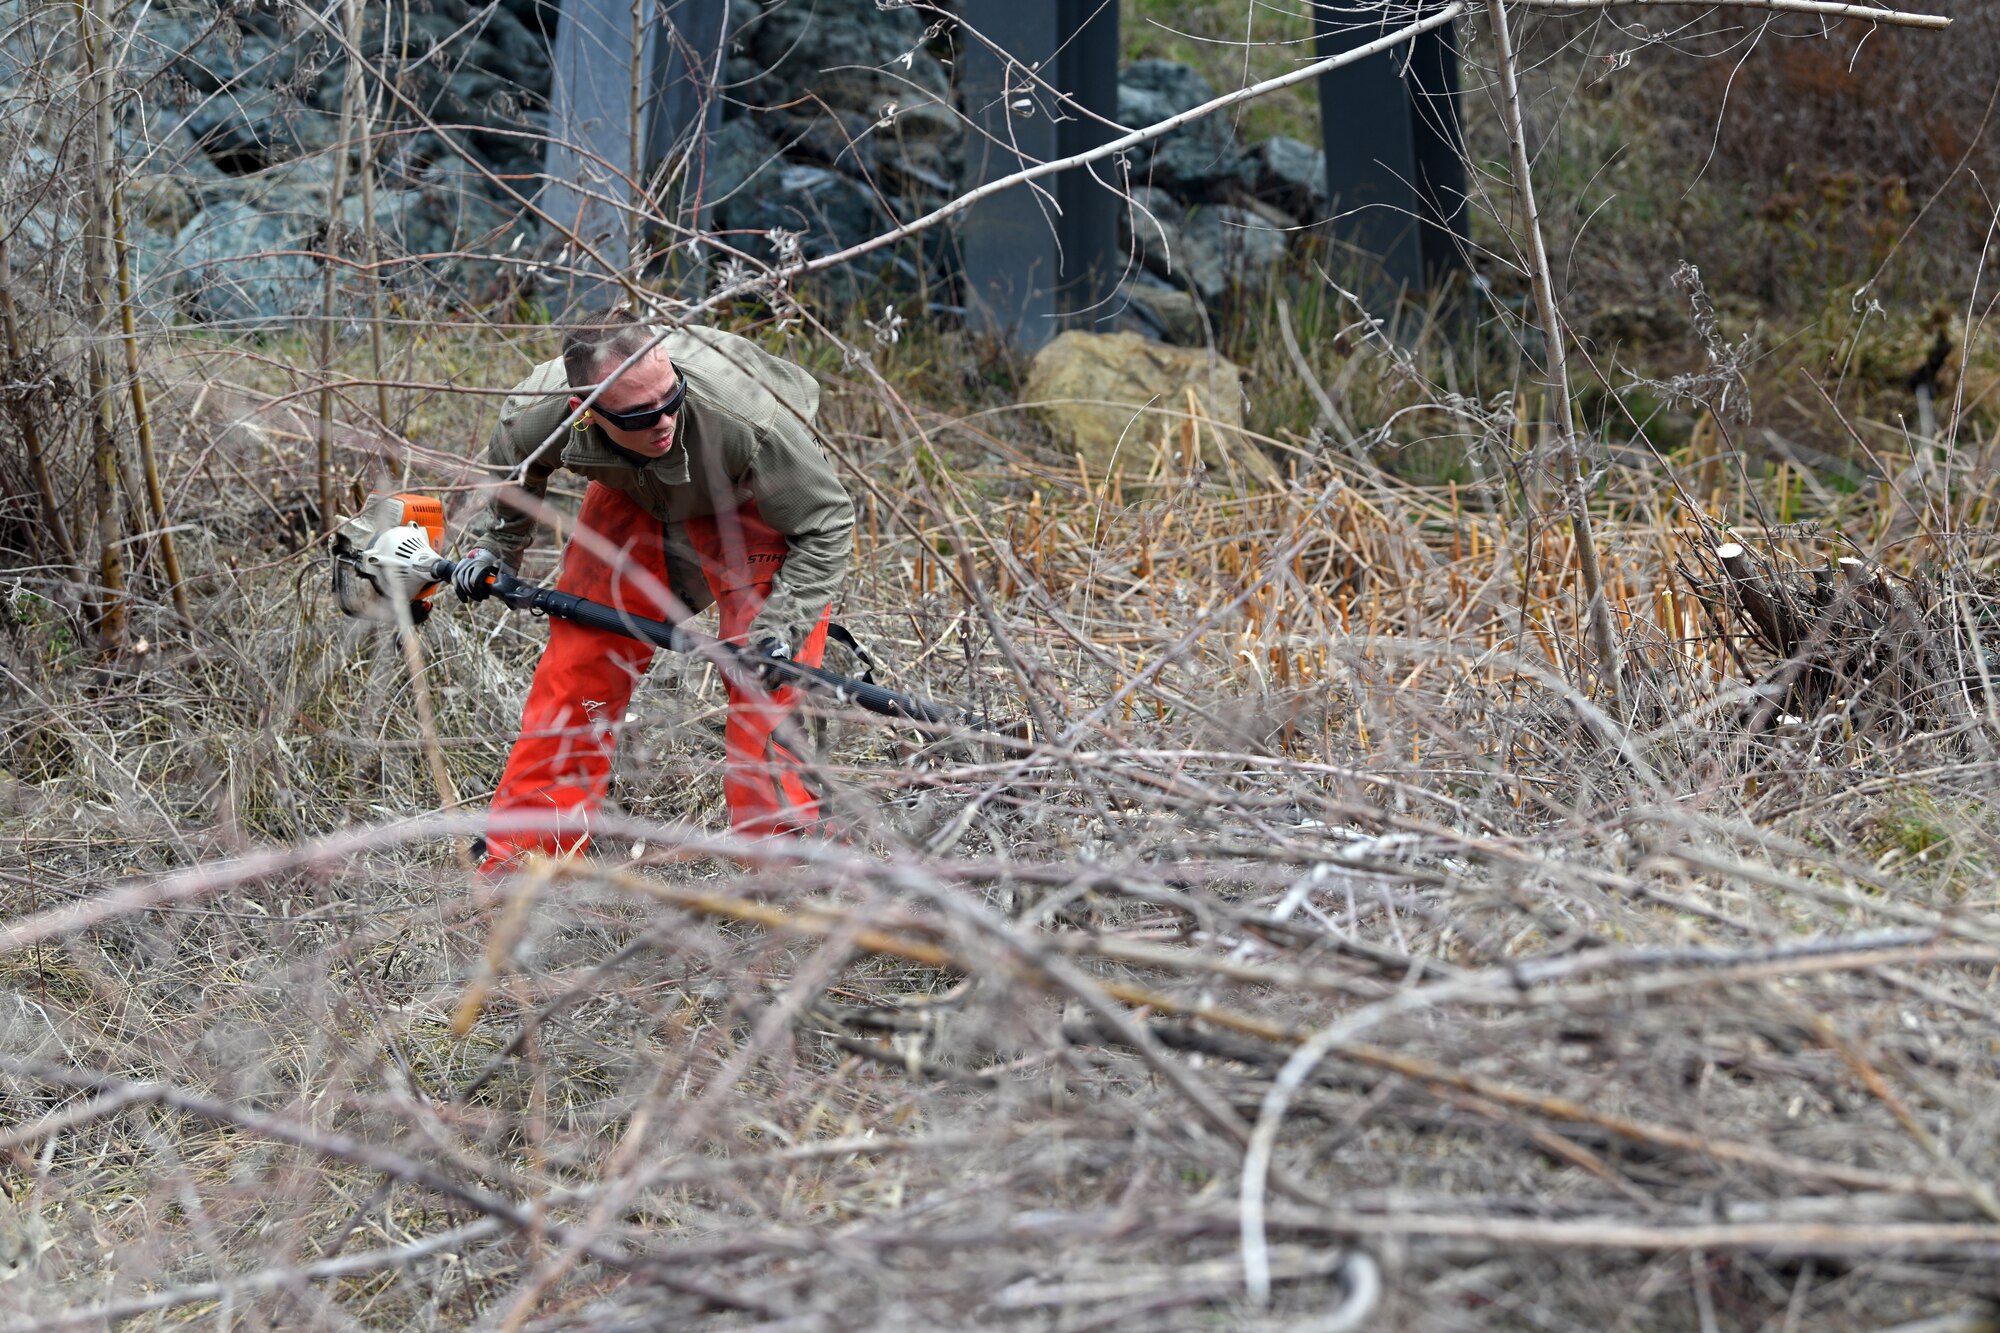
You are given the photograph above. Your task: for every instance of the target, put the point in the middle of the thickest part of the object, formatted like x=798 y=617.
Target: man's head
x=594 y=349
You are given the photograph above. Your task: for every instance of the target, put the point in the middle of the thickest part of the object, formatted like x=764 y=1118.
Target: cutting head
x=386 y=556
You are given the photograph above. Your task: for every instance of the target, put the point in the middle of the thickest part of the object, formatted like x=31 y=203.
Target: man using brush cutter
x=706 y=484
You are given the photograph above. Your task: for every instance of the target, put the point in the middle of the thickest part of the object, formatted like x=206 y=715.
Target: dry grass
x=1606 y=1038
x=1330 y=958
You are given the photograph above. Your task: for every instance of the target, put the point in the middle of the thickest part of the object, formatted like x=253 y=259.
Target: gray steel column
x=591 y=155
x=1034 y=266
x=690 y=48
x=1393 y=167
x=604 y=151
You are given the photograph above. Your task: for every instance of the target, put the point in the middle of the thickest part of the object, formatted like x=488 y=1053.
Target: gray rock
x=1194 y=160
x=459 y=219
x=216 y=57
x=258 y=89
x=50 y=230
x=390 y=208
x=231 y=271
x=248 y=97
x=292 y=194
x=1151 y=228
x=47 y=226
x=249 y=128
x=847 y=52
x=832 y=210
x=467 y=237
x=160 y=200
x=154 y=259
x=20 y=52
x=44 y=233
x=853 y=88
x=739 y=156
x=511 y=49
x=1204 y=249
x=1244 y=247
x=154 y=139
x=1164 y=311
x=1288 y=173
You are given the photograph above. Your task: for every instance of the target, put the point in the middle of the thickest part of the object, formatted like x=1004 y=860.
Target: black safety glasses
x=644 y=418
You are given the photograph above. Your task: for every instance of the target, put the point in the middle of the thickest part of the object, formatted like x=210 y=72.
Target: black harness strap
x=844 y=636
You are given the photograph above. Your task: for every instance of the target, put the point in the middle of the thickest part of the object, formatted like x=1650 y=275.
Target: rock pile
x=839 y=123
x=1207 y=214
x=228 y=150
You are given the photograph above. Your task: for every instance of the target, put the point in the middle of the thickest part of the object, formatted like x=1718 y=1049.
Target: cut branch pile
x=1880 y=653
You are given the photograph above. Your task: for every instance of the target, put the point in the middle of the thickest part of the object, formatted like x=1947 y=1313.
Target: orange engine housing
x=426 y=512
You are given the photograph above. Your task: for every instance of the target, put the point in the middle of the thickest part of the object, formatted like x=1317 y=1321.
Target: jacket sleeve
x=799 y=494
x=500 y=527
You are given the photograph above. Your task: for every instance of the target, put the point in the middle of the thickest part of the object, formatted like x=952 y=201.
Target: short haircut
x=611 y=335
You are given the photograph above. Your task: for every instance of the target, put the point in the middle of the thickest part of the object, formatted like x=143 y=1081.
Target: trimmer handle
x=774 y=671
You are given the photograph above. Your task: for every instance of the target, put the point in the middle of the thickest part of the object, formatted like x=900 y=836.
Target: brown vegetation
x=1333 y=954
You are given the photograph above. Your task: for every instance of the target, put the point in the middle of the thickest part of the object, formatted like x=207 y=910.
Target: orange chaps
x=561 y=765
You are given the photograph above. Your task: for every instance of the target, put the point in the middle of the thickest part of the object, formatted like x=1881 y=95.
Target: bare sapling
x=113 y=612
x=350 y=101
x=371 y=251
x=142 y=416
x=31 y=435
x=1576 y=495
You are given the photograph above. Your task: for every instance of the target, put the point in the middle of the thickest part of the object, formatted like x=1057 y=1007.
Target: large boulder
x=246 y=129
x=761 y=193
x=161 y=200
x=839 y=127
x=1120 y=401
x=1194 y=160
x=236 y=269
x=1150 y=226
x=47 y=229
x=832 y=210
x=154 y=139
x=245 y=95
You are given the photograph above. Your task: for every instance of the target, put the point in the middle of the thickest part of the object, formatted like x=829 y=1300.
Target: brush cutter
x=386 y=565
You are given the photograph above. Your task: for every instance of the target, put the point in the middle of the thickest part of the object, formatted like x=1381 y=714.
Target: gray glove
x=769 y=649
x=472 y=578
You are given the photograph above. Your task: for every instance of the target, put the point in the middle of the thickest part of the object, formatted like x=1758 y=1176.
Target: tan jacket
x=746 y=432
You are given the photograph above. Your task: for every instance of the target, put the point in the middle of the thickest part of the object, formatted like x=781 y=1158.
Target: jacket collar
x=591 y=449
